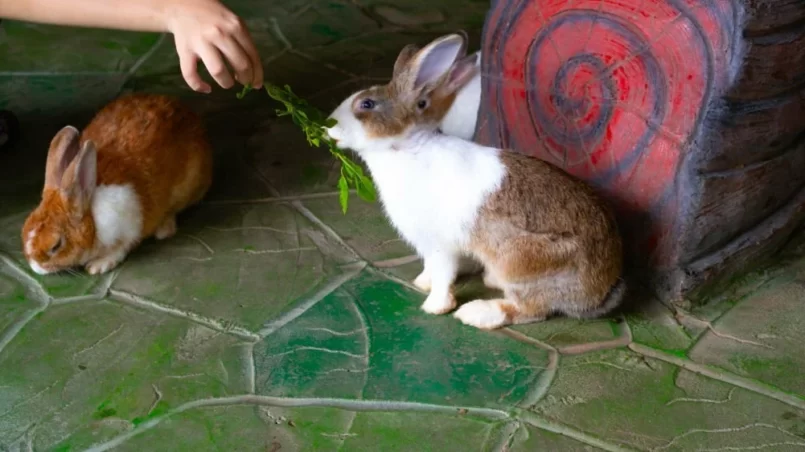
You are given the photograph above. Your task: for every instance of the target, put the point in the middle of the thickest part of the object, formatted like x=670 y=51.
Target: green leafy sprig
x=313 y=122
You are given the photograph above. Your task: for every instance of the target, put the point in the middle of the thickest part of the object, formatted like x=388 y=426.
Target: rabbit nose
x=332 y=133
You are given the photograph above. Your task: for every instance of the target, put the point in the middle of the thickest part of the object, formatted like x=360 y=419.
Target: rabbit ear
x=460 y=74
x=63 y=149
x=431 y=63
x=80 y=179
x=403 y=58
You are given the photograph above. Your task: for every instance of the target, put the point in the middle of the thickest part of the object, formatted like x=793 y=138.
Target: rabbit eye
x=56 y=247
x=422 y=104
x=367 y=104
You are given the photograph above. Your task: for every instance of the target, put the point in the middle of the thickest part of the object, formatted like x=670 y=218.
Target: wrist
x=166 y=15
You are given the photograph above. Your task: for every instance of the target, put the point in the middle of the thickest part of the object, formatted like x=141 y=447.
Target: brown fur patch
x=509 y=309
x=398 y=102
x=440 y=104
x=391 y=115
x=543 y=223
x=63 y=149
x=156 y=144
x=54 y=220
x=405 y=56
x=396 y=112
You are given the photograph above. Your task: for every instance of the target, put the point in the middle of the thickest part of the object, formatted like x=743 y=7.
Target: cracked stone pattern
x=272 y=322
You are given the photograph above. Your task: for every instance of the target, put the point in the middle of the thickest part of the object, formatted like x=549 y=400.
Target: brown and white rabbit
x=544 y=238
x=139 y=162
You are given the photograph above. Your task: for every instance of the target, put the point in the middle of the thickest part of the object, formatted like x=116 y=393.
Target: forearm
x=135 y=15
x=203 y=30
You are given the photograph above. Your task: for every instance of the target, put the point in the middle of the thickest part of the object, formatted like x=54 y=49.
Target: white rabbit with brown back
x=544 y=238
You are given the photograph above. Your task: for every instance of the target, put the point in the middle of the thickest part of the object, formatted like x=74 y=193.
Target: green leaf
x=343 y=193
x=366 y=189
x=271 y=90
x=244 y=91
x=313 y=123
x=358 y=170
x=347 y=166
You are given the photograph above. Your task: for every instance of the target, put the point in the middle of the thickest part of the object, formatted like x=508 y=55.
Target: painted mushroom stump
x=689 y=115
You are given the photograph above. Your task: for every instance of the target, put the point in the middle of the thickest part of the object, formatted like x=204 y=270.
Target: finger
x=247 y=43
x=188 y=62
x=215 y=65
x=237 y=59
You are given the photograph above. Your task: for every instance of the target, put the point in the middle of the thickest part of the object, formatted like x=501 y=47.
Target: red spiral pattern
x=612 y=91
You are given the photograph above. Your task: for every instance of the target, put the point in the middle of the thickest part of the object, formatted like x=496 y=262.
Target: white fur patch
x=29 y=250
x=37 y=268
x=423 y=281
x=106 y=263
x=439 y=305
x=348 y=132
x=484 y=314
x=118 y=215
x=29 y=242
x=432 y=185
x=463 y=114
x=432 y=190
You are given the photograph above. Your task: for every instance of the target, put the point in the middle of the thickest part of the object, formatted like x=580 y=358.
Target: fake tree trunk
x=687 y=114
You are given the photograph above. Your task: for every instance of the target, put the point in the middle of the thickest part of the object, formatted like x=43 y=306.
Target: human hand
x=207 y=30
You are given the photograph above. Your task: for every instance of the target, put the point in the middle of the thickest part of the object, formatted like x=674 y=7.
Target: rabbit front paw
x=103 y=264
x=483 y=314
x=423 y=282
x=167 y=229
x=439 y=305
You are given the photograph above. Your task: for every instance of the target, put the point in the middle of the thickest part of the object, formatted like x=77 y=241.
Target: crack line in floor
x=249 y=368
x=730 y=430
x=708 y=326
x=11 y=332
x=721 y=375
x=543 y=383
x=143 y=303
x=505 y=437
x=344 y=404
x=31 y=285
x=564 y=430
x=391 y=277
x=15 y=271
x=623 y=340
x=303 y=306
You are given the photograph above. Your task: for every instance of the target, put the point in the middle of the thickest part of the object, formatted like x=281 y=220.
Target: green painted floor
x=273 y=322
